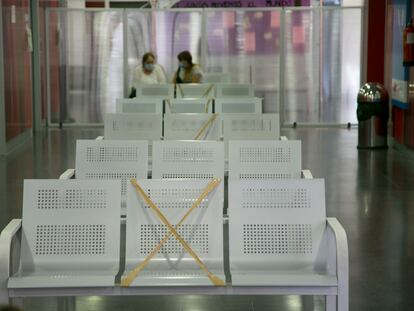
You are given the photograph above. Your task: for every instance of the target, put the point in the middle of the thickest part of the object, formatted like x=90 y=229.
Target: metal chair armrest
x=8 y=256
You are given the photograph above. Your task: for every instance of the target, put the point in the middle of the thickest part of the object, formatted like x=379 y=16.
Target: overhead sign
x=240 y=3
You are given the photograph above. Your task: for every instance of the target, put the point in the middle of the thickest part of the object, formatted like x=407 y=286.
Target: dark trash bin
x=372 y=114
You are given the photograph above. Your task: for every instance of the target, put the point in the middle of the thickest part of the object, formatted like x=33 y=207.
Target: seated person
x=187 y=71
x=148 y=72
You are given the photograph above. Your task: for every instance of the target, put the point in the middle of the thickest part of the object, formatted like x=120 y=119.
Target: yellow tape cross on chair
x=134 y=273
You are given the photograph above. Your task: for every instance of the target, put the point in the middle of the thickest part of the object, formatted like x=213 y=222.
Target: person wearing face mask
x=187 y=71
x=148 y=72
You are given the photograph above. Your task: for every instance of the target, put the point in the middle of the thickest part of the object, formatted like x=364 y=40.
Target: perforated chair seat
x=188 y=159
x=202 y=230
x=264 y=159
x=299 y=276
x=185 y=126
x=70 y=234
x=277 y=229
x=73 y=278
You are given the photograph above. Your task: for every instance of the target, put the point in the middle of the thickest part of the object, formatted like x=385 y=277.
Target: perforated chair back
x=234 y=90
x=257 y=126
x=275 y=226
x=238 y=105
x=203 y=230
x=264 y=159
x=216 y=77
x=194 y=90
x=188 y=159
x=112 y=159
x=133 y=126
x=189 y=105
x=185 y=126
x=156 y=90
x=139 y=105
x=71 y=233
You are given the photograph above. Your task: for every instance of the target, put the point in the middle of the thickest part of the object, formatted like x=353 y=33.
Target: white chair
x=238 y=105
x=264 y=159
x=186 y=126
x=194 y=90
x=281 y=240
x=156 y=90
x=70 y=238
x=133 y=126
x=140 y=105
x=234 y=90
x=203 y=230
x=112 y=159
x=188 y=159
x=244 y=126
x=216 y=77
x=189 y=105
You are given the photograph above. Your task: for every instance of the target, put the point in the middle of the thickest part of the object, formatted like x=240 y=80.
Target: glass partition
x=301 y=74
x=17 y=62
x=90 y=65
x=166 y=33
x=246 y=45
x=322 y=70
x=309 y=75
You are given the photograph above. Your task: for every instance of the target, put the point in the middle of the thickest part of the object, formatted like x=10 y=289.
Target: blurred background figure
x=148 y=72
x=187 y=71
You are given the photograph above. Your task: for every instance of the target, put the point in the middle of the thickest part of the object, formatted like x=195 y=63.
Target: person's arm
x=136 y=77
x=174 y=79
x=197 y=76
x=161 y=74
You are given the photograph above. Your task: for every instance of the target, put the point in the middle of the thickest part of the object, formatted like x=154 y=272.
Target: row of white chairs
x=201 y=126
x=126 y=159
x=196 y=90
x=69 y=242
x=189 y=105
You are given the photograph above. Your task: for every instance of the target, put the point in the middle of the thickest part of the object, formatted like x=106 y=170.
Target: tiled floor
x=370 y=192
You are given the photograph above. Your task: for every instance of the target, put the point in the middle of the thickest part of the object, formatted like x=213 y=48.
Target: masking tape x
x=134 y=273
x=205 y=126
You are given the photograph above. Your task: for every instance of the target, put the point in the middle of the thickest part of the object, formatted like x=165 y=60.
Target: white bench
x=110 y=159
x=238 y=105
x=186 y=126
x=188 y=159
x=155 y=90
x=133 y=126
x=140 y=105
x=265 y=159
x=189 y=105
x=203 y=230
x=69 y=239
x=194 y=90
x=245 y=126
x=281 y=239
x=216 y=77
x=234 y=90
x=271 y=224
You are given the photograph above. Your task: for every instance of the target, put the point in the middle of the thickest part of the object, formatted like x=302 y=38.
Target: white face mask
x=183 y=65
x=149 y=67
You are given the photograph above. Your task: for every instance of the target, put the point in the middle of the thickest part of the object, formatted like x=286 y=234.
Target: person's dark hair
x=186 y=56
x=146 y=56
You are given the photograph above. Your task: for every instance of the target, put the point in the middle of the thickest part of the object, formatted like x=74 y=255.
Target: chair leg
x=330 y=303
x=66 y=303
x=307 y=303
x=343 y=301
x=17 y=302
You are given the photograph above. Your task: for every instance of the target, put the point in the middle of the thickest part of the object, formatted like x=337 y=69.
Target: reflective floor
x=370 y=192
